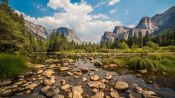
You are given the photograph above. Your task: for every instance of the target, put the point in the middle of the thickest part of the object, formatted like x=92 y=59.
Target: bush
x=123 y=45
x=152 y=45
x=11 y=66
x=107 y=61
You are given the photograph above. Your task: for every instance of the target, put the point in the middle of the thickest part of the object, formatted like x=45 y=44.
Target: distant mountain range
x=42 y=33
x=153 y=25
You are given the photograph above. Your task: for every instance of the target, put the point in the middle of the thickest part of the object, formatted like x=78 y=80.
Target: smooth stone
x=114 y=94
x=6 y=93
x=94 y=84
x=112 y=65
x=48 y=72
x=94 y=78
x=31 y=86
x=84 y=79
x=58 y=96
x=143 y=71
x=65 y=87
x=84 y=69
x=45 y=89
x=134 y=95
x=70 y=74
x=52 y=92
x=49 y=81
x=98 y=95
x=64 y=68
x=121 y=85
x=77 y=89
x=7 y=82
x=98 y=63
x=77 y=95
x=101 y=86
x=39 y=71
x=108 y=76
x=38 y=66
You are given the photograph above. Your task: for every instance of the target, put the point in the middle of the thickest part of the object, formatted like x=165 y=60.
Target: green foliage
x=108 y=61
x=153 y=62
x=12 y=36
x=123 y=45
x=11 y=66
x=153 y=45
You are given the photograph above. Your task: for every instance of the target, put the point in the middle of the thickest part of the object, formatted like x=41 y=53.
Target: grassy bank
x=154 y=62
x=11 y=66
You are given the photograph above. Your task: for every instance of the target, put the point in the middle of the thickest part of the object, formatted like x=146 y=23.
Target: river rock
x=97 y=63
x=93 y=84
x=108 y=76
x=84 y=69
x=39 y=71
x=101 y=86
x=64 y=68
x=38 y=66
x=143 y=71
x=45 y=89
x=52 y=92
x=48 y=72
x=121 y=85
x=114 y=94
x=31 y=86
x=49 y=81
x=70 y=74
x=77 y=91
x=112 y=65
x=94 y=78
x=6 y=93
x=98 y=95
x=65 y=87
x=7 y=82
x=134 y=95
x=84 y=79
x=58 y=96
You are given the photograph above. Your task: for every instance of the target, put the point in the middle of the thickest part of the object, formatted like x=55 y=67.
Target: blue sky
x=90 y=18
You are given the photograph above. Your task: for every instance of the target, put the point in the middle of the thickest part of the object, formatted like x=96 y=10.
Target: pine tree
x=140 y=40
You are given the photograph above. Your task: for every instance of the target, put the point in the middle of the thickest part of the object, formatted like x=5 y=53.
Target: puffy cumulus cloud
x=112 y=11
x=112 y=2
x=78 y=17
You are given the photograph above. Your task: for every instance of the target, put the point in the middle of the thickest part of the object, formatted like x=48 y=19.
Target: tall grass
x=107 y=61
x=11 y=66
x=153 y=62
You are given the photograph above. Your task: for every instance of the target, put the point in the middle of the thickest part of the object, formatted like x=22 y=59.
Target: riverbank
x=79 y=78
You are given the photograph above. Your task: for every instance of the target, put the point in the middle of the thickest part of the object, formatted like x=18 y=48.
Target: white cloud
x=100 y=4
x=100 y=16
x=77 y=17
x=112 y=2
x=131 y=26
x=112 y=11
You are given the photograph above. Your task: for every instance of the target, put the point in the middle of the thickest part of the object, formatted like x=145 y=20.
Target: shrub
x=152 y=45
x=123 y=45
x=107 y=61
x=11 y=66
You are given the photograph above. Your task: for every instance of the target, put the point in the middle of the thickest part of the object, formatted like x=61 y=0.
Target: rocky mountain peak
x=37 y=30
x=146 y=23
x=108 y=37
x=68 y=33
